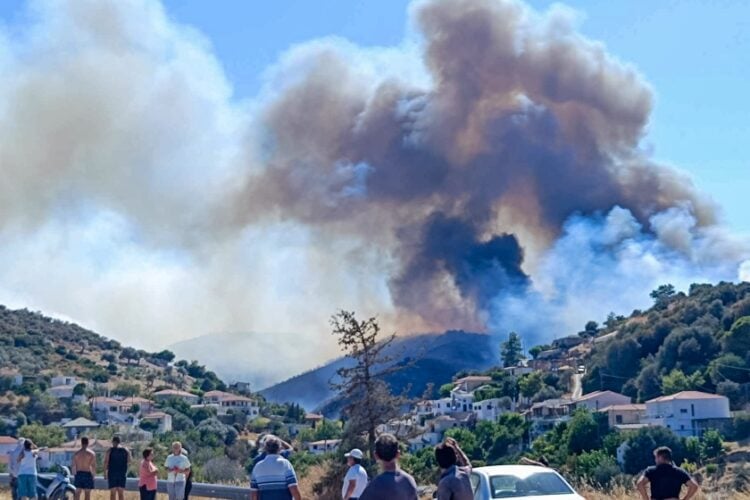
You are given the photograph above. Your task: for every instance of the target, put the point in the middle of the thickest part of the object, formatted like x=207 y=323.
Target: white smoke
x=610 y=263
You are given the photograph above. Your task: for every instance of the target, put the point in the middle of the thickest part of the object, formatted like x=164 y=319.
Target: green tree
x=530 y=384
x=737 y=340
x=511 y=351
x=676 y=381
x=165 y=355
x=41 y=435
x=712 y=445
x=368 y=400
x=582 y=433
x=534 y=351
x=127 y=389
x=445 y=389
x=639 y=452
x=596 y=467
x=327 y=429
x=662 y=295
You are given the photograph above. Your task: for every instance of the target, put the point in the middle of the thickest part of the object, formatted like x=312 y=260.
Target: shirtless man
x=84 y=470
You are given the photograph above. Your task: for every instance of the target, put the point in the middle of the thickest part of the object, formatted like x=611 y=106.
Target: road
x=577 y=386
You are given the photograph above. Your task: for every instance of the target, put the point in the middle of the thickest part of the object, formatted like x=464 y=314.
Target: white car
x=520 y=481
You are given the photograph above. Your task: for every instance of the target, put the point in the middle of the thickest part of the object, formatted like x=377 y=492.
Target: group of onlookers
x=273 y=476
x=23 y=471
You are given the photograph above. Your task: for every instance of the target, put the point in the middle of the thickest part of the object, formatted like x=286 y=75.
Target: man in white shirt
x=355 y=480
x=178 y=466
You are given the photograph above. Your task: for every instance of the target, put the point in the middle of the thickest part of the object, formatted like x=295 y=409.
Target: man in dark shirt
x=392 y=483
x=455 y=472
x=666 y=479
x=116 y=463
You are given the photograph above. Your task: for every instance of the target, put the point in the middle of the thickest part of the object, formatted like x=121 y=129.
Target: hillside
x=431 y=358
x=39 y=348
x=699 y=340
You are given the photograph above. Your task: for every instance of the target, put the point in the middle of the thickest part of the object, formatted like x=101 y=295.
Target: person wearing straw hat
x=355 y=480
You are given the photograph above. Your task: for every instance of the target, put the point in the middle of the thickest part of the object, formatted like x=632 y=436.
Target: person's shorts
x=84 y=480
x=116 y=481
x=27 y=486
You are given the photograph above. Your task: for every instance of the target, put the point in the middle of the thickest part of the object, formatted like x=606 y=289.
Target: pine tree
x=511 y=351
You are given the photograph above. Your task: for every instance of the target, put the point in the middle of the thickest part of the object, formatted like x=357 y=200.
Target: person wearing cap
x=355 y=480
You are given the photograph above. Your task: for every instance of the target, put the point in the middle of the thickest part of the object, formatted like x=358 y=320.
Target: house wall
x=681 y=415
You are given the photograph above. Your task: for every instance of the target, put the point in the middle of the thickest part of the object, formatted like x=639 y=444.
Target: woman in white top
x=27 y=471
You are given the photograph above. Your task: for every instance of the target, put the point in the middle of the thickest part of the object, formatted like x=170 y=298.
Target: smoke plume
x=489 y=166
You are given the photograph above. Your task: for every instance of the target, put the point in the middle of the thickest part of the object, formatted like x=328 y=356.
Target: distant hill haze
x=435 y=358
x=431 y=358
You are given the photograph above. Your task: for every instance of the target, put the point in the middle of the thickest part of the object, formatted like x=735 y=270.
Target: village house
x=424 y=440
x=168 y=394
x=688 y=413
x=62 y=456
x=401 y=427
x=624 y=416
x=546 y=414
x=64 y=380
x=471 y=383
x=241 y=387
x=596 y=400
x=162 y=421
x=489 y=409
x=313 y=419
x=61 y=391
x=323 y=446
x=7 y=444
x=519 y=370
x=14 y=376
x=79 y=427
x=442 y=406
x=225 y=401
x=442 y=423
x=423 y=409
x=111 y=410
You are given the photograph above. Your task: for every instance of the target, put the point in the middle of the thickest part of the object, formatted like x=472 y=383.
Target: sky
x=112 y=217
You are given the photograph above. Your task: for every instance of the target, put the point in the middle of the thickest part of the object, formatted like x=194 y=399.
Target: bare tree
x=368 y=400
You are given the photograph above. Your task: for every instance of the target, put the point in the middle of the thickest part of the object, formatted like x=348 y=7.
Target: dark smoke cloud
x=525 y=124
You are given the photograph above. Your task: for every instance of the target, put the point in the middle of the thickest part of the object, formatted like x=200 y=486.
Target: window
x=618 y=419
x=683 y=410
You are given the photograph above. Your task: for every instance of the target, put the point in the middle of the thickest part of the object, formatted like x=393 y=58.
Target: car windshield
x=538 y=484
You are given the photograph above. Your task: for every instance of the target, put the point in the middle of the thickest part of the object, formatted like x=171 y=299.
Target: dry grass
x=623 y=494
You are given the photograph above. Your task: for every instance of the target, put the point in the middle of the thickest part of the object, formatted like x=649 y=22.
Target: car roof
x=521 y=471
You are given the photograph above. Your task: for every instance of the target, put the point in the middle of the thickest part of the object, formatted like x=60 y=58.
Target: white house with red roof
x=163 y=421
x=688 y=413
x=225 y=401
